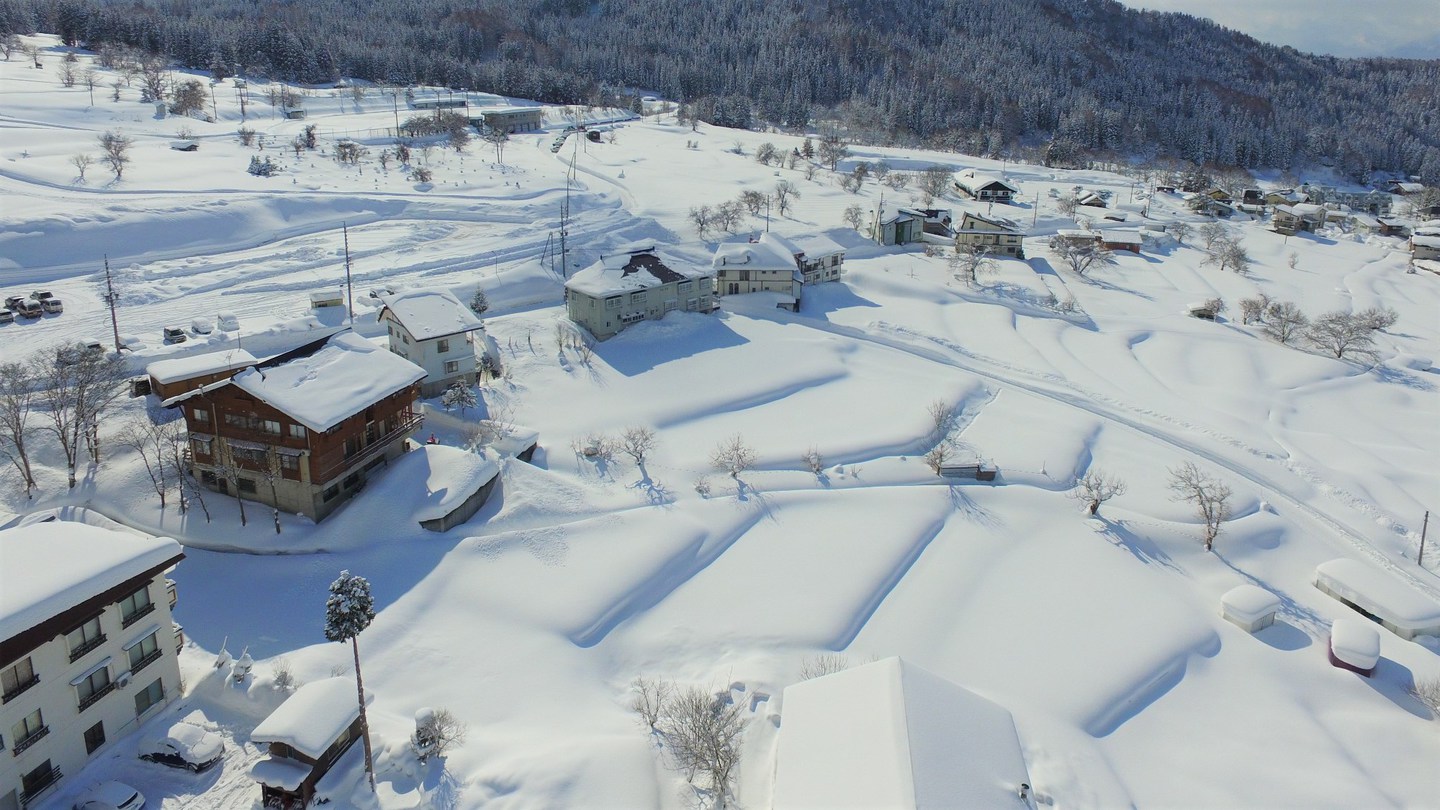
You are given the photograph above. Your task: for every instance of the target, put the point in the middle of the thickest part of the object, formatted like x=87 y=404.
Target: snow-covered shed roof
x=1355 y=641
x=817 y=245
x=427 y=314
x=279 y=772
x=1077 y=234
x=629 y=271
x=771 y=252
x=48 y=568
x=313 y=717
x=429 y=482
x=1249 y=602
x=341 y=379
x=1381 y=594
x=1407 y=188
x=1096 y=212
x=1121 y=237
x=1426 y=240
x=198 y=365
x=890 y=734
x=974 y=180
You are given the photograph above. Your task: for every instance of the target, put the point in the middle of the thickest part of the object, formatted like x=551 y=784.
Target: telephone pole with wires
x=110 y=298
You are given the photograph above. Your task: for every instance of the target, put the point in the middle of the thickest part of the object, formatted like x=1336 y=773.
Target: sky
x=1404 y=28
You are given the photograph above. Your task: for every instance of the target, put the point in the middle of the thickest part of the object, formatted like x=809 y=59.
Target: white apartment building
x=632 y=286
x=88 y=651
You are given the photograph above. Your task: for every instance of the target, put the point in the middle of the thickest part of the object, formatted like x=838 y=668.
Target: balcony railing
x=34 y=737
x=408 y=425
x=38 y=786
x=96 y=695
x=145 y=662
x=14 y=693
x=79 y=652
x=126 y=621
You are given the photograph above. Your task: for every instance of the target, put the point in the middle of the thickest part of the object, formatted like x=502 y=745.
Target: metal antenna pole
x=1420 y=559
x=110 y=299
x=349 y=291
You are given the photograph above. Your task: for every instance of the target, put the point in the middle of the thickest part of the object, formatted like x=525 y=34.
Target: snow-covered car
x=174 y=334
x=41 y=295
x=110 y=796
x=202 y=326
x=30 y=309
x=184 y=745
x=227 y=322
x=52 y=306
x=14 y=301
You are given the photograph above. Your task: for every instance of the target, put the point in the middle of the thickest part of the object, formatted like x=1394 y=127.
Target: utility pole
x=1420 y=559
x=111 y=298
x=1035 y=215
x=214 y=111
x=349 y=292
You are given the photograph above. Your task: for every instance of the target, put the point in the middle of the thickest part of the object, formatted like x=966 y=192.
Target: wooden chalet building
x=984 y=187
x=305 y=737
x=325 y=414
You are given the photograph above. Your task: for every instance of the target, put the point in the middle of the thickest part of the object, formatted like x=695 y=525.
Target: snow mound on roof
x=430 y=481
x=183 y=368
x=46 y=568
x=1249 y=602
x=1380 y=593
x=312 y=718
x=1355 y=642
x=890 y=734
x=429 y=314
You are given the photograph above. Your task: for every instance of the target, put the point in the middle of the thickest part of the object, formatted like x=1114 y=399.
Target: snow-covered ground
x=1102 y=636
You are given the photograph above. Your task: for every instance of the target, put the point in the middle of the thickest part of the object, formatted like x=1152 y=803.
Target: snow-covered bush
x=263 y=168
x=436 y=731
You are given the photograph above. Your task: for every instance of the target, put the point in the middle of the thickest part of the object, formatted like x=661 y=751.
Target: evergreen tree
x=348 y=611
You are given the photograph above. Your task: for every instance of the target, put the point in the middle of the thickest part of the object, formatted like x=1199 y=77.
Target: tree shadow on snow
x=1140 y=547
x=1395 y=680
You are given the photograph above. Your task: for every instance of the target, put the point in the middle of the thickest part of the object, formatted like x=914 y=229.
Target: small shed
x=1354 y=645
x=305 y=735
x=1249 y=607
x=1399 y=608
x=1204 y=310
x=456 y=484
x=171 y=378
x=1116 y=239
x=321 y=299
x=185 y=146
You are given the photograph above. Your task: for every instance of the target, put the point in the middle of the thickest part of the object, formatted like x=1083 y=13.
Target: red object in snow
x=432 y=439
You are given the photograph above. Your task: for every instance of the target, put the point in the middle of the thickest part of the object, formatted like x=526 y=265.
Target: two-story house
x=999 y=236
x=305 y=736
x=433 y=330
x=88 y=651
x=821 y=258
x=984 y=187
x=323 y=416
x=1291 y=219
x=766 y=265
x=634 y=285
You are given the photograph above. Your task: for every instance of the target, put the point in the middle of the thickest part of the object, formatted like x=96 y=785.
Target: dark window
x=443 y=345
x=149 y=696
x=143 y=653
x=94 y=737
x=291 y=463
x=245 y=485
x=84 y=638
x=17 y=678
x=95 y=686
x=135 y=605
x=330 y=492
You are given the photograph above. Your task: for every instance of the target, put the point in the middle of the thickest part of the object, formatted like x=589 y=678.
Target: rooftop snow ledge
x=1399 y=607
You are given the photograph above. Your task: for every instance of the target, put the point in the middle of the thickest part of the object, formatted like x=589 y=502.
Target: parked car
x=41 y=295
x=52 y=305
x=30 y=309
x=13 y=302
x=174 y=334
x=6 y=316
x=227 y=322
x=202 y=326
x=110 y=796
x=184 y=745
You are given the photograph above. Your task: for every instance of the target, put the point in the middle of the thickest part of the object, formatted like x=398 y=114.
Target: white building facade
x=88 y=651
x=433 y=330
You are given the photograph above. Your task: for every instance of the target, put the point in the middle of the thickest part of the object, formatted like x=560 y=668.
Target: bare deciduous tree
x=154 y=442
x=1252 y=310
x=1228 y=254
x=1212 y=232
x=273 y=472
x=727 y=215
x=942 y=418
x=752 y=200
x=823 y=664
x=116 y=149
x=81 y=162
x=938 y=456
x=854 y=216
x=1095 y=488
x=969 y=262
x=703 y=735
x=832 y=150
x=17 y=397
x=732 y=456
x=228 y=468
x=1209 y=495
x=1377 y=319
x=497 y=138
x=1342 y=335
x=1081 y=256
x=785 y=195
x=1427 y=691
x=1284 y=321
x=934 y=182
x=637 y=442
x=701 y=218
x=76 y=387
x=814 y=462
x=649 y=700
x=1179 y=230
x=437 y=733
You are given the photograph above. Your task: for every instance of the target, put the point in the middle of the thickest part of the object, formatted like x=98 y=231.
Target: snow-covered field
x=1103 y=636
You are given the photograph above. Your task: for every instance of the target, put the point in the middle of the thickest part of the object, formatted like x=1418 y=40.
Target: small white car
x=202 y=326
x=110 y=796
x=227 y=322
x=184 y=745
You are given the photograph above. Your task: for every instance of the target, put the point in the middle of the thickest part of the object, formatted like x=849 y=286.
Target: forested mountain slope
x=981 y=75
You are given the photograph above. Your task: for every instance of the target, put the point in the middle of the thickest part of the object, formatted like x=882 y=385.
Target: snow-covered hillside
x=1102 y=636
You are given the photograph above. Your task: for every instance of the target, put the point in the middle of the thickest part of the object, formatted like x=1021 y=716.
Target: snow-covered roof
x=1408 y=188
x=974 y=180
x=326 y=295
x=1096 y=212
x=48 y=568
x=1121 y=237
x=998 y=222
x=280 y=772
x=817 y=245
x=1426 y=240
x=510 y=440
x=429 y=314
x=341 y=379
x=771 y=252
x=446 y=477
x=313 y=717
x=198 y=365
x=630 y=271
x=1077 y=233
x=1249 y=603
x=890 y=734
x=1381 y=594
x=1355 y=642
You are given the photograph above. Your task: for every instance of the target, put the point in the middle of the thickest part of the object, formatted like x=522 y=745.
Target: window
x=683 y=288
x=297 y=431
x=245 y=485
x=148 y=697
x=94 y=737
x=290 y=463
x=143 y=653
x=18 y=677
x=135 y=605
x=452 y=366
x=270 y=426
x=330 y=492
x=84 y=638
x=201 y=446
x=35 y=782
x=93 y=687
x=236 y=420
x=201 y=415
x=30 y=728
x=637 y=297
x=442 y=345
x=613 y=302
